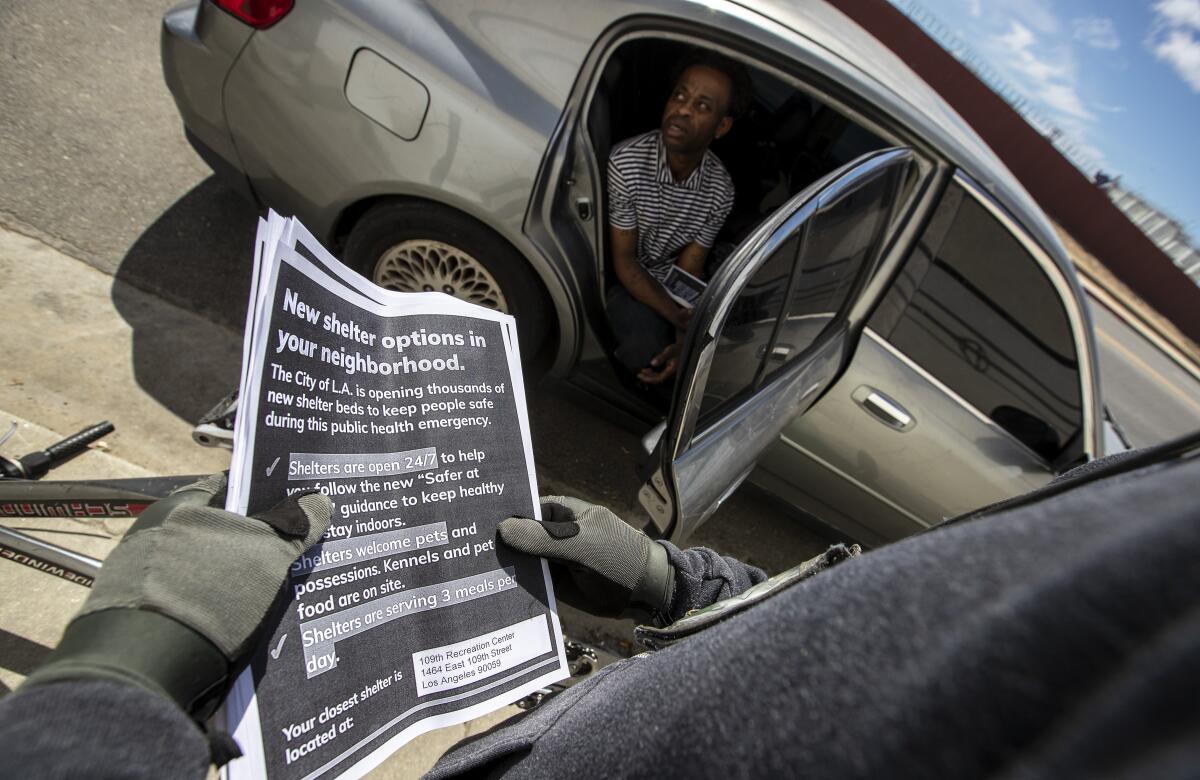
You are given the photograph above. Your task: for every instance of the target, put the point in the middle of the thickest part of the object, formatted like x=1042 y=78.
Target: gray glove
x=599 y=563
x=179 y=603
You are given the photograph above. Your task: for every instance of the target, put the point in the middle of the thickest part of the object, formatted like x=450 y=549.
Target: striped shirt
x=668 y=215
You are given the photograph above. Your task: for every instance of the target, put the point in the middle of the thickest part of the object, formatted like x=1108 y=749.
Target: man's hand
x=180 y=602
x=599 y=563
x=662 y=366
x=681 y=318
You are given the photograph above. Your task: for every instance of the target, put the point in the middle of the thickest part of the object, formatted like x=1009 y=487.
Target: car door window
x=837 y=244
x=807 y=278
x=974 y=309
x=748 y=331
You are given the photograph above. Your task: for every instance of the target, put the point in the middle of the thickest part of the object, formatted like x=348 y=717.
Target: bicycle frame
x=82 y=500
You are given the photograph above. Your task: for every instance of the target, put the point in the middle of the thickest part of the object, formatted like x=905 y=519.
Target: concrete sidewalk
x=81 y=347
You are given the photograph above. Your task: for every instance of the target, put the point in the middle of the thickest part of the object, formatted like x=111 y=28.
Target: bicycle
x=24 y=496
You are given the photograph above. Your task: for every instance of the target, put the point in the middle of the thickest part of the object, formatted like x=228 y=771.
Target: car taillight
x=257 y=13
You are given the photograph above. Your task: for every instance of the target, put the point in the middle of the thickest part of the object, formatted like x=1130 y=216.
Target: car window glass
x=748 y=328
x=840 y=239
x=974 y=309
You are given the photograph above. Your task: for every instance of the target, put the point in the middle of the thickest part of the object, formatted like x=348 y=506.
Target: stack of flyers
x=408 y=411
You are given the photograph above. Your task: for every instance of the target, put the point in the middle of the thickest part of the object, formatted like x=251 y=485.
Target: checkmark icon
x=278 y=647
x=271 y=468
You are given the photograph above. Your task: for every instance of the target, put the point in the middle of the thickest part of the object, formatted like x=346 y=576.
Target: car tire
x=423 y=247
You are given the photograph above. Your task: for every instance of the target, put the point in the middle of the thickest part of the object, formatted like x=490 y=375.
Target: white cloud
x=1018 y=37
x=1173 y=39
x=1052 y=81
x=1097 y=32
x=1064 y=98
x=1035 y=13
x=1179 y=13
x=1182 y=51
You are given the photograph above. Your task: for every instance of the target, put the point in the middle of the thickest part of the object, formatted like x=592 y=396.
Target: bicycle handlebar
x=37 y=463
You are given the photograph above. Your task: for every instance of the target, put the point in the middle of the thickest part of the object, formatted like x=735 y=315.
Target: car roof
x=915 y=103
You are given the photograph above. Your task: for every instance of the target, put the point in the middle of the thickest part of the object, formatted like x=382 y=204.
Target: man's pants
x=640 y=332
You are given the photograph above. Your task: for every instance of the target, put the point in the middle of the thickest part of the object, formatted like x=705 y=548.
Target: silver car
x=896 y=335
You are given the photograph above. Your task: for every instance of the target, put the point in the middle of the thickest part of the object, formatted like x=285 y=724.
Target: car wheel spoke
x=421 y=265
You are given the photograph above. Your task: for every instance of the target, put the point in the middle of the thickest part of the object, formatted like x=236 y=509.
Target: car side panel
x=307 y=151
x=948 y=462
x=199 y=46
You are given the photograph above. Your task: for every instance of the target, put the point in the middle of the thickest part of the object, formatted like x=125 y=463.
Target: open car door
x=775 y=328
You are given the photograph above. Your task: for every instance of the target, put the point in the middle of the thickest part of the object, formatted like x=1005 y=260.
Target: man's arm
x=604 y=566
x=637 y=280
x=664 y=365
x=692 y=258
x=703 y=577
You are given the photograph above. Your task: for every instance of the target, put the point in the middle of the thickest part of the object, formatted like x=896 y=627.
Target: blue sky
x=1119 y=78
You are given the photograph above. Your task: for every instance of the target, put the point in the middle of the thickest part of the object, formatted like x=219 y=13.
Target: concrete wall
x=1070 y=198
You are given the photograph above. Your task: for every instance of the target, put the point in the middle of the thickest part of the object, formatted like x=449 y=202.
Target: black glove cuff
x=656 y=589
x=140 y=648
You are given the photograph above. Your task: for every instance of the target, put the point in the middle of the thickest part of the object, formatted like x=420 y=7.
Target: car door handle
x=883 y=408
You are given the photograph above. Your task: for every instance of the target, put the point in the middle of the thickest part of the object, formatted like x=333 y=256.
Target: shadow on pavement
x=20 y=655
x=198 y=255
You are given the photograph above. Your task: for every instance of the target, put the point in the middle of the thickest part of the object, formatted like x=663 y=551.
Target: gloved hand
x=179 y=603
x=599 y=563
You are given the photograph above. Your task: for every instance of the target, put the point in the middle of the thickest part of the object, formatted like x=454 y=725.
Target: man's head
x=700 y=109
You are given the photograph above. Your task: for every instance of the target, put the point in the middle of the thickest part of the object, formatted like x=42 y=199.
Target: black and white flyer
x=684 y=288
x=408 y=410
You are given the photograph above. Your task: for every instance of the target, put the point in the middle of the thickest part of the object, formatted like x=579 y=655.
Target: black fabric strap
x=141 y=648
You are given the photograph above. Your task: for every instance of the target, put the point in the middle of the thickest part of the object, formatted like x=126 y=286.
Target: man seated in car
x=668 y=198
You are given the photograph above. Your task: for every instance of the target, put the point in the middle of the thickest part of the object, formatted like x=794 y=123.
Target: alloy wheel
x=421 y=265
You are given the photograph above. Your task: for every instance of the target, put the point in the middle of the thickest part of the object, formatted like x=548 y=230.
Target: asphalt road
x=1150 y=396
x=93 y=158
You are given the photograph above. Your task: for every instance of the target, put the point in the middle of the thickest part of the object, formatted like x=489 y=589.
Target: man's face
x=697 y=112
